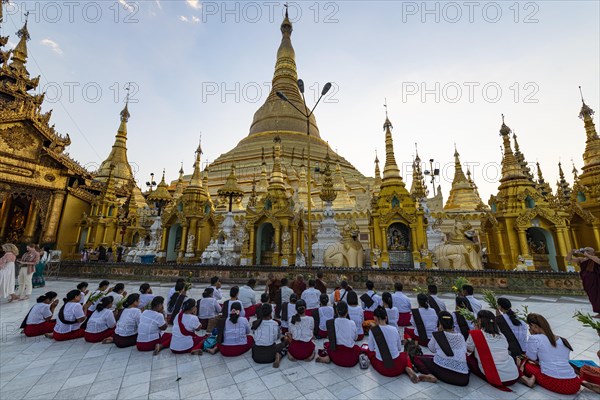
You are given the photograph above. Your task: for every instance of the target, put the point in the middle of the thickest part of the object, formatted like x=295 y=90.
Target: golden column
x=163 y=240
x=54 y=213
x=6 y=203
x=32 y=216
x=523 y=242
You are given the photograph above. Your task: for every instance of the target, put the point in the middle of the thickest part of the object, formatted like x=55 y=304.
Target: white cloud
x=195 y=4
x=127 y=6
x=53 y=45
x=158 y=4
x=193 y=19
x=183 y=18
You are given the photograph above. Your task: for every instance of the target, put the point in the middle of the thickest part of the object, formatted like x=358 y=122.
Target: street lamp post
x=307 y=115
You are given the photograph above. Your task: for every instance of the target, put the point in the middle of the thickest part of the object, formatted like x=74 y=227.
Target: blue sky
x=205 y=66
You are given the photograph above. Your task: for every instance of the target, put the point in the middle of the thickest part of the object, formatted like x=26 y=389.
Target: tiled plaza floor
x=39 y=368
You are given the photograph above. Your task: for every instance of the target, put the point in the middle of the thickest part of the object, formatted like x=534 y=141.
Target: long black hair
x=386 y=297
x=264 y=311
x=119 y=287
x=342 y=308
x=381 y=314
x=300 y=310
x=463 y=302
x=234 y=316
x=506 y=305
x=324 y=299
x=208 y=293
x=82 y=286
x=352 y=298
x=488 y=322
x=46 y=296
x=234 y=291
x=132 y=298
x=188 y=305
x=106 y=302
x=70 y=297
x=422 y=300
x=144 y=288
x=157 y=301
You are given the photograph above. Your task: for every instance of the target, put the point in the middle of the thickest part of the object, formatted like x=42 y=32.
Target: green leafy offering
x=490 y=298
x=458 y=284
x=467 y=314
x=587 y=320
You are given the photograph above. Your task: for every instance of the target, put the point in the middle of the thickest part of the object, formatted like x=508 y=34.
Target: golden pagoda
x=161 y=196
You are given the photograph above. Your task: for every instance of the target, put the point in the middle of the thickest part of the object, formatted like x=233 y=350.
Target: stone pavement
x=35 y=368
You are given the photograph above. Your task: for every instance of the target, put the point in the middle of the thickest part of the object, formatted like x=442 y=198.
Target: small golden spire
x=391 y=172
x=418 y=190
x=276 y=181
x=328 y=193
x=19 y=54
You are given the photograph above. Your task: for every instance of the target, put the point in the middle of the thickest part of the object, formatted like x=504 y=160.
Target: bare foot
x=157 y=349
x=412 y=375
x=597 y=316
x=196 y=352
x=277 y=360
x=324 y=360
x=528 y=381
x=592 y=386
x=428 y=378
x=214 y=350
x=49 y=335
x=108 y=340
x=290 y=357
x=312 y=357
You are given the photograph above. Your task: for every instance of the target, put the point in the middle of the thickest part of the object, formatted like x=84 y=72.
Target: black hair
x=263 y=312
x=293 y=298
x=319 y=274
x=370 y=285
x=432 y=289
x=82 y=286
x=469 y=289
x=103 y=283
x=344 y=284
x=463 y=302
x=398 y=286
x=386 y=297
x=342 y=308
x=312 y=283
x=119 y=287
x=234 y=291
x=214 y=280
x=324 y=299
x=506 y=305
x=422 y=300
x=144 y=288
x=488 y=322
x=264 y=298
x=284 y=281
x=173 y=300
x=542 y=322
x=251 y=282
x=380 y=313
x=188 y=305
x=70 y=297
x=352 y=298
x=180 y=285
x=46 y=296
x=233 y=317
x=179 y=280
x=132 y=298
x=208 y=292
x=106 y=302
x=445 y=320
x=157 y=301
x=300 y=310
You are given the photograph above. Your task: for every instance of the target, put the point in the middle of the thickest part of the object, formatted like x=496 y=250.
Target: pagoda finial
x=387 y=124
x=125 y=112
x=19 y=54
x=539 y=171
x=199 y=149
x=391 y=172
x=181 y=169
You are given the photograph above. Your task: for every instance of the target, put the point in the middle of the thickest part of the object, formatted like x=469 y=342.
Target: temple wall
x=68 y=230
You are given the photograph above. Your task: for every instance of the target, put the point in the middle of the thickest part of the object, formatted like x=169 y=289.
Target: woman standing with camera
x=589 y=270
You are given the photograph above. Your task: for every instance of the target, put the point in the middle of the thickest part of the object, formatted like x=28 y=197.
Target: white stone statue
x=191 y=241
x=300 y=259
x=376 y=256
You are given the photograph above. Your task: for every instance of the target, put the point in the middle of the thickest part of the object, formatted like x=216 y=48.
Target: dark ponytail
x=386 y=297
x=264 y=311
x=47 y=296
x=106 y=302
x=234 y=316
x=506 y=305
x=234 y=291
x=380 y=313
x=300 y=310
x=342 y=308
x=132 y=298
x=70 y=297
x=157 y=301
x=144 y=288
x=488 y=322
x=188 y=305
x=324 y=299
x=445 y=320
x=422 y=300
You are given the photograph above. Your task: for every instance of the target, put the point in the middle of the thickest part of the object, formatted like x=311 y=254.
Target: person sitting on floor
x=340 y=293
x=152 y=327
x=117 y=293
x=402 y=304
x=424 y=321
x=176 y=300
x=301 y=334
x=177 y=287
x=146 y=295
x=70 y=317
x=288 y=310
x=236 y=338
x=103 y=288
x=434 y=301
x=342 y=333
x=208 y=307
x=312 y=298
x=38 y=320
x=127 y=327
x=247 y=296
x=356 y=314
x=474 y=305
x=185 y=323
x=215 y=284
x=490 y=359
x=461 y=324
x=324 y=314
x=266 y=348
x=101 y=325
x=83 y=288
x=370 y=301
x=391 y=311
x=449 y=360
x=513 y=329
x=384 y=349
x=547 y=361
x=233 y=298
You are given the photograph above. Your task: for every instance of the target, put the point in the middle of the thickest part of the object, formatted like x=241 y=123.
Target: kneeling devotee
x=356 y=314
x=266 y=350
x=513 y=329
x=322 y=315
x=449 y=360
x=301 y=332
x=236 y=338
x=127 y=327
x=247 y=296
x=38 y=320
x=185 y=323
x=70 y=317
x=342 y=334
x=370 y=301
x=384 y=349
x=208 y=307
x=424 y=320
x=101 y=325
x=151 y=335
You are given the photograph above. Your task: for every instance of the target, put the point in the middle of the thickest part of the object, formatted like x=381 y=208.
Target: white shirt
x=209 y=308
x=116 y=299
x=376 y=301
x=82 y=300
x=128 y=322
x=439 y=302
x=242 y=313
x=554 y=361
x=291 y=312
x=267 y=333
x=357 y=315
x=38 y=314
x=521 y=332
x=286 y=292
x=392 y=338
x=247 y=296
x=325 y=314
x=180 y=342
x=343 y=296
x=475 y=304
x=72 y=312
x=311 y=296
x=303 y=330
x=458 y=362
x=345 y=332
x=392 y=314
x=507 y=369
x=235 y=334
x=457 y=328
x=217 y=293
x=149 y=326
x=101 y=321
x=93 y=306
x=401 y=302
x=145 y=299
x=430 y=320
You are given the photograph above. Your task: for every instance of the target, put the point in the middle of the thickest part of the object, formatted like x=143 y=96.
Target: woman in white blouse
x=70 y=317
x=356 y=314
x=146 y=295
x=185 y=324
x=103 y=288
x=429 y=320
x=547 y=361
x=208 y=307
x=151 y=335
x=325 y=314
x=39 y=319
x=511 y=327
x=236 y=335
x=301 y=334
x=127 y=327
x=100 y=327
x=345 y=353
x=449 y=360
x=266 y=348
x=391 y=311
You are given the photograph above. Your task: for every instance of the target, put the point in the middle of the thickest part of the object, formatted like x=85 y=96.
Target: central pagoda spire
x=391 y=172
x=276 y=115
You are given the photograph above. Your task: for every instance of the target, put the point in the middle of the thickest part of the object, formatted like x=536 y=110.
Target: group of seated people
x=497 y=347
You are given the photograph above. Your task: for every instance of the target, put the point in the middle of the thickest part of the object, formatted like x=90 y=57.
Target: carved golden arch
x=398 y=213
x=585 y=215
x=524 y=220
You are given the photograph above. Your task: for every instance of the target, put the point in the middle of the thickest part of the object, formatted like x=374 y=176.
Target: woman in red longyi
x=151 y=335
x=301 y=333
x=39 y=319
x=100 y=326
x=236 y=334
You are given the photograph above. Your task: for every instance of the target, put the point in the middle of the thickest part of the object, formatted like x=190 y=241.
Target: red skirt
x=309 y=312
x=61 y=337
x=343 y=356
x=404 y=319
x=323 y=334
x=39 y=329
x=360 y=337
x=98 y=337
x=251 y=311
x=409 y=333
x=301 y=350
x=198 y=345
x=125 y=341
x=88 y=313
x=369 y=316
x=400 y=364
x=164 y=341
x=237 y=350
x=562 y=386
